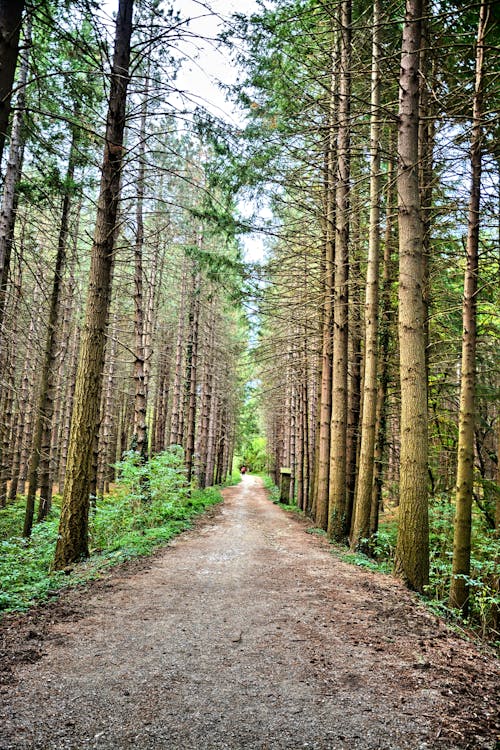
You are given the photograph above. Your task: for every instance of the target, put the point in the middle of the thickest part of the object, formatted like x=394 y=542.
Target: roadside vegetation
x=484 y=607
x=149 y=504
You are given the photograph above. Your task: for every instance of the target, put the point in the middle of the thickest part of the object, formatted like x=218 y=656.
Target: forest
x=145 y=359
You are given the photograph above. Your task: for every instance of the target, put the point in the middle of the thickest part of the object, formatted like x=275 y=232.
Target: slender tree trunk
x=212 y=436
x=337 y=519
x=69 y=398
x=31 y=394
x=192 y=374
x=459 y=588
x=176 y=434
x=325 y=404
x=11 y=12
x=7 y=425
x=140 y=439
x=386 y=325
x=364 y=487
x=412 y=549
x=106 y=454
x=162 y=391
x=21 y=398
x=40 y=451
x=72 y=543
x=206 y=400
x=12 y=175
x=354 y=390
x=63 y=364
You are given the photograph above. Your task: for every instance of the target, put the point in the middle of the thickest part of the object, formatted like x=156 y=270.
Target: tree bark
x=140 y=438
x=11 y=12
x=12 y=175
x=192 y=373
x=72 y=543
x=412 y=549
x=176 y=434
x=337 y=520
x=386 y=334
x=325 y=403
x=361 y=526
x=459 y=588
x=40 y=451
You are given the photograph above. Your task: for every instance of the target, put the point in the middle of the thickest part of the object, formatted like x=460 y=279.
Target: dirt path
x=245 y=633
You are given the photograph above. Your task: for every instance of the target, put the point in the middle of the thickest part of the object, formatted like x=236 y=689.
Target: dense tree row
x=371 y=135
x=120 y=326
x=373 y=128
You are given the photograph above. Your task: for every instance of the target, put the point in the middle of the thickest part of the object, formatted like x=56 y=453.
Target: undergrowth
x=484 y=604
x=149 y=505
x=274 y=494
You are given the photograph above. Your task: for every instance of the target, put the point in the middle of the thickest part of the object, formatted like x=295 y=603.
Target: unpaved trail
x=248 y=633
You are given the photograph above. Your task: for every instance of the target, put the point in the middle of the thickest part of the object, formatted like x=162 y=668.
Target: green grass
x=274 y=494
x=122 y=526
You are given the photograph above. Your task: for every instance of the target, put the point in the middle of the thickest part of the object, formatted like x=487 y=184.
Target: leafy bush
x=149 y=506
x=484 y=602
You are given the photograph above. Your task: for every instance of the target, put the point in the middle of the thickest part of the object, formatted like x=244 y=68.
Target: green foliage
x=315 y=531
x=272 y=490
x=483 y=581
x=363 y=561
x=251 y=445
x=254 y=454
x=121 y=526
x=274 y=495
x=25 y=564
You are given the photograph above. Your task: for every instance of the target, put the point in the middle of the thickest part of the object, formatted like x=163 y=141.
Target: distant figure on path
x=243 y=470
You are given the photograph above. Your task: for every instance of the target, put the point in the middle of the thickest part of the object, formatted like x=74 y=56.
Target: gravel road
x=247 y=633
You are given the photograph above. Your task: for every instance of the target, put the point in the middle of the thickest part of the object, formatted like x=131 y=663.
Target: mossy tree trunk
x=459 y=588
x=412 y=549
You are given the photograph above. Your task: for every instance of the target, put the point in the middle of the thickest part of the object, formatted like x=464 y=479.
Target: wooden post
x=286 y=478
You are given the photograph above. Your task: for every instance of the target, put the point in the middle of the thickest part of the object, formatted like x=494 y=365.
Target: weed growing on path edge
x=274 y=495
x=121 y=526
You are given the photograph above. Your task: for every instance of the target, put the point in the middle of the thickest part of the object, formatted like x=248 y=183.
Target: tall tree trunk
x=11 y=12
x=459 y=588
x=40 y=451
x=72 y=543
x=64 y=351
x=106 y=455
x=386 y=325
x=325 y=404
x=68 y=401
x=212 y=434
x=337 y=520
x=7 y=411
x=354 y=390
x=412 y=549
x=175 y=428
x=364 y=487
x=140 y=438
x=12 y=175
x=206 y=399
x=192 y=373
x=162 y=391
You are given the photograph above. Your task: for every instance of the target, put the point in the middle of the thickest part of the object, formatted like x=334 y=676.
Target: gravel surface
x=243 y=633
